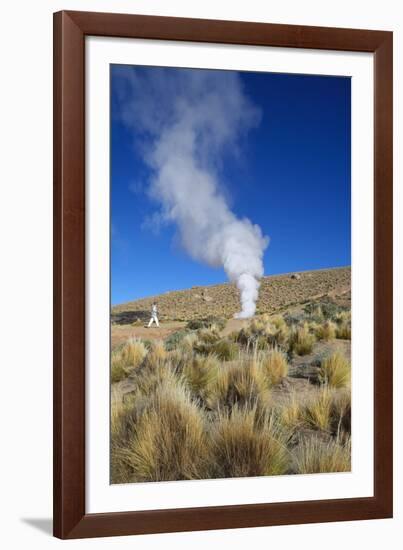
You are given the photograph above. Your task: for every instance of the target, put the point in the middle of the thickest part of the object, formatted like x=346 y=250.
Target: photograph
x=230 y=274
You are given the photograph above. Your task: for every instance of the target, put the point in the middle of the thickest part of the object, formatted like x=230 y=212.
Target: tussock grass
x=291 y=412
x=341 y=413
x=343 y=317
x=188 y=342
x=179 y=358
x=335 y=371
x=326 y=331
x=301 y=340
x=209 y=342
x=175 y=339
x=127 y=358
x=209 y=335
x=343 y=331
x=278 y=331
x=157 y=354
x=200 y=373
x=314 y=455
x=207 y=322
x=242 y=447
x=225 y=350
x=203 y=405
x=275 y=366
x=317 y=409
x=124 y=416
x=170 y=440
x=118 y=371
x=265 y=332
x=242 y=383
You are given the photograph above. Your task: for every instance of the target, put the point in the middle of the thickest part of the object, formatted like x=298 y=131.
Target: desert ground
x=207 y=396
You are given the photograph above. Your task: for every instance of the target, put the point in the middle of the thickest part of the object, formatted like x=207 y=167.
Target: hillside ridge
x=276 y=292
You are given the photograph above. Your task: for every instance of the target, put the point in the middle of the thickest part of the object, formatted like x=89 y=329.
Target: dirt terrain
x=276 y=293
x=280 y=293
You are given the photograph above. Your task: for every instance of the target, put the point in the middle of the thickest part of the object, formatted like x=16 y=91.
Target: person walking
x=154 y=316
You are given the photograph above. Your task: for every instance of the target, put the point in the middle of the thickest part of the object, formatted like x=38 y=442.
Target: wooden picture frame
x=70 y=517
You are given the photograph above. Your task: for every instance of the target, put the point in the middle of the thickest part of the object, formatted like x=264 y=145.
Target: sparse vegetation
x=276 y=293
x=206 y=398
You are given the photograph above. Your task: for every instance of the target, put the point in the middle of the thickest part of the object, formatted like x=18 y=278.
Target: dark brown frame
x=70 y=518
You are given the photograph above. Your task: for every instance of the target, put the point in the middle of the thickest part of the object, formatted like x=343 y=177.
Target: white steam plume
x=187 y=120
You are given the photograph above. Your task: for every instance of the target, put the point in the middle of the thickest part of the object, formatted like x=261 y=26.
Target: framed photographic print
x=223 y=274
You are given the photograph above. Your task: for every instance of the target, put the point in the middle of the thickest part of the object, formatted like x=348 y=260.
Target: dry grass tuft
x=314 y=455
x=275 y=366
x=278 y=331
x=157 y=354
x=188 y=342
x=200 y=373
x=318 y=408
x=170 y=440
x=335 y=371
x=240 y=383
x=209 y=342
x=301 y=340
x=126 y=359
x=326 y=331
x=343 y=331
x=265 y=332
x=291 y=412
x=242 y=447
x=225 y=350
x=208 y=335
x=341 y=413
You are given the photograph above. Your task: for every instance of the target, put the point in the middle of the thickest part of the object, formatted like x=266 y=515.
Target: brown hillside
x=276 y=293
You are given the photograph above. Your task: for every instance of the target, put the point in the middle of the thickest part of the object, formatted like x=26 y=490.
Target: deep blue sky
x=292 y=178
